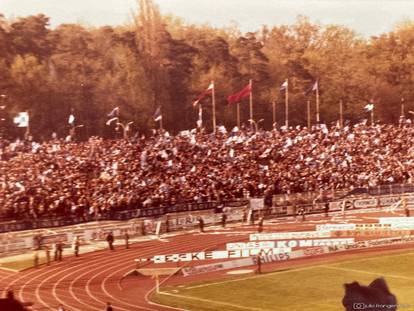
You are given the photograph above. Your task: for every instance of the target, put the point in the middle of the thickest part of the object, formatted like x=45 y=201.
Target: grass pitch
x=310 y=288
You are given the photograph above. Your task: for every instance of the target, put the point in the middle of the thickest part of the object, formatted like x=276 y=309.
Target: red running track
x=87 y=282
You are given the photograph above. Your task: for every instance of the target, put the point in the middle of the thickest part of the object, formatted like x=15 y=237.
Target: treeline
x=161 y=61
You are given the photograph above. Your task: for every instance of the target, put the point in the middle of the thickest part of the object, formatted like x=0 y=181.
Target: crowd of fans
x=60 y=178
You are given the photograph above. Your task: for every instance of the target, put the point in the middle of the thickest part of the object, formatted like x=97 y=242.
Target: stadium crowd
x=60 y=178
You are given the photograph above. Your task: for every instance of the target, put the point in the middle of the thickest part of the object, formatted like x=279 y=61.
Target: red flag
x=206 y=92
x=237 y=97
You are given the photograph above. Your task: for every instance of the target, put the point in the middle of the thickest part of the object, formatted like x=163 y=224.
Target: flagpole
x=214 y=106
x=317 y=104
x=341 y=114
x=274 y=111
x=200 y=116
x=308 y=113
x=372 y=116
x=161 y=127
x=287 y=104
x=28 y=126
x=251 y=99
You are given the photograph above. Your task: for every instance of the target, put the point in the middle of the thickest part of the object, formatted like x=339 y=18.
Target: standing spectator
x=110 y=239
x=201 y=224
x=55 y=251
x=47 y=252
x=167 y=224
x=36 y=259
x=260 y=225
x=126 y=240
x=59 y=248
x=252 y=220
x=76 y=246
x=259 y=262
x=302 y=212
x=326 y=209
x=223 y=220
x=109 y=307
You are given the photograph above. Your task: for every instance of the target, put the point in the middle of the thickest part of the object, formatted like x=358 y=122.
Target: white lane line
x=253 y=277
x=369 y=272
x=220 y=303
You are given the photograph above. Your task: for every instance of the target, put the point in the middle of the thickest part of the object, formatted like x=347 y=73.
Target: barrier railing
x=17 y=225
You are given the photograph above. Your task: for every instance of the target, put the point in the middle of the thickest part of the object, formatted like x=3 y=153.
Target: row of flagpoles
x=22 y=119
x=247 y=91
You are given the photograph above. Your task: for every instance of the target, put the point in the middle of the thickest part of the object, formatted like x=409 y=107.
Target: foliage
x=162 y=61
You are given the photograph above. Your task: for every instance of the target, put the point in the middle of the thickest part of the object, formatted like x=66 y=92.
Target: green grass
x=312 y=288
x=21 y=264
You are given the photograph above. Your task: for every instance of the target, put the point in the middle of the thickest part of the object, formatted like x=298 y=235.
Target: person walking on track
x=110 y=239
x=126 y=240
x=223 y=220
x=76 y=246
x=201 y=224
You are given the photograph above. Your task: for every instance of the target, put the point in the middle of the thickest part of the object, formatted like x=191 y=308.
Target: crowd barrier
x=97 y=231
x=166 y=219
x=18 y=225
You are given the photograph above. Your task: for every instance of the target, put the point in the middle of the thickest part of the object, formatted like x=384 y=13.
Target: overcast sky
x=366 y=17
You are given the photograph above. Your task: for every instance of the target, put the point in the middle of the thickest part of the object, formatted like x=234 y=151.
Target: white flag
x=369 y=107
x=71 y=119
x=22 y=119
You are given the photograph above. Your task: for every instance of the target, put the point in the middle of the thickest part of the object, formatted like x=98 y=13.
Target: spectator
x=97 y=178
x=109 y=307
x=110 y=240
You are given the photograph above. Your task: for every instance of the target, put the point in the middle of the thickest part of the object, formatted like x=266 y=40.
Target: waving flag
x=114 y=113
x=157 y=114
x=71 y=119
x=237 y=97
x=284 y=86
x=22 y=119
x=111 y=120
x=209 y=90
x=369 y=107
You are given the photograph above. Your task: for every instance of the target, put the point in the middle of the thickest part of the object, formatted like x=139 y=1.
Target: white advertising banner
x=335 y=227
x=207 y=255
x=288 y=244
x=365 y=203
x=289 y=235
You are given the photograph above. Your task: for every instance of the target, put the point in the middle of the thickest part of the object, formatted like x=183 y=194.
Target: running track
x=89 y=281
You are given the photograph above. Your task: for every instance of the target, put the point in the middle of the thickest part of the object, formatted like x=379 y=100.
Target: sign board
x=365 y=203
x=335 y=227
x=287 y=244
x=207 y=255
x=289 y=235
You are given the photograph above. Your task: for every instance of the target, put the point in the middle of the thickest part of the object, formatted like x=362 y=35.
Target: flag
x=209 y=90
x=157 y=114
x=22 y=119
x=315 y=86
x=71 y=119
x=200 y=117
x=237 y=97
x=111 y=120
x=114 y=113
x=369 y=107
x=284 y=85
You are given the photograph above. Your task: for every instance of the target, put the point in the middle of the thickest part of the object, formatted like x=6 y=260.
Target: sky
x=366 y=17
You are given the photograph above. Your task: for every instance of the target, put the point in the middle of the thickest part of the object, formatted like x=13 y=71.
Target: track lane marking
x=215 y=302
